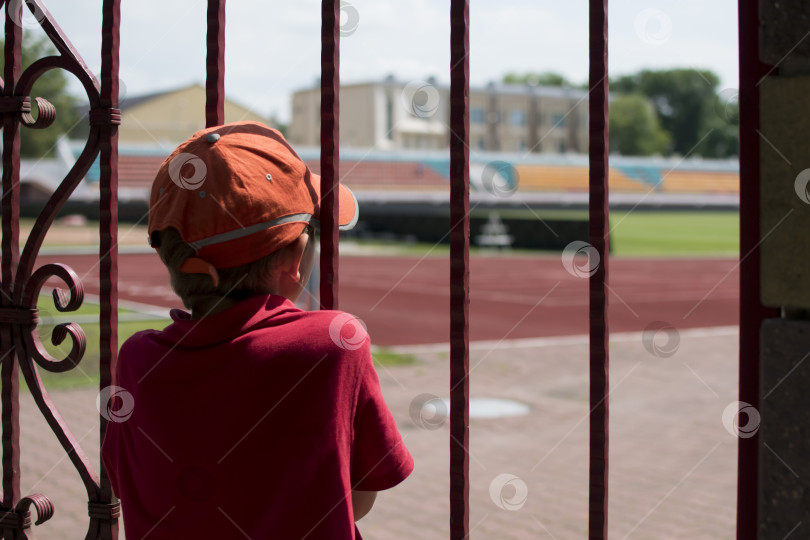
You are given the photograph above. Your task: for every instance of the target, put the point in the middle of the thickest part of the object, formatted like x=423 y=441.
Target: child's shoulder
x=344 y=330
x=140 y=336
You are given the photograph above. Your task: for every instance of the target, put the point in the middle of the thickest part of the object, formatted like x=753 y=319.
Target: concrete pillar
x=784 y=408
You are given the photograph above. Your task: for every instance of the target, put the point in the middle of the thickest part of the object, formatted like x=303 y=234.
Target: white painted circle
x=494 y=408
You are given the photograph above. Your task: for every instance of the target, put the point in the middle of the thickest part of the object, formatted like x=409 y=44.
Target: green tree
x=688 y=107
x=546 y=78
x=634 y=127
x=51 y=86
x=723 y=136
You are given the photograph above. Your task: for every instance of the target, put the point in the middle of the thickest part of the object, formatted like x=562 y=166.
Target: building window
x=558 y=120
x=477 y=116
x=517 y=117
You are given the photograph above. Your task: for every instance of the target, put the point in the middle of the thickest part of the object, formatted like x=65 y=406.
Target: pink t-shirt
x=256 y=421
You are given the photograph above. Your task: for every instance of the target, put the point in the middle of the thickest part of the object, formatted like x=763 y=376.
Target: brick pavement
x=673 y=464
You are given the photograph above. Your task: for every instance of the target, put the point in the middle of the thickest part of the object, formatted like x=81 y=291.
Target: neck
x=210 y=305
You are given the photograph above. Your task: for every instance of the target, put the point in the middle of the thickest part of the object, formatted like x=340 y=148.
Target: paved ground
x=673 y=464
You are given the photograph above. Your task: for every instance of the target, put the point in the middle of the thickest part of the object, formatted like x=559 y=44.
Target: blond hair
x=197 y=291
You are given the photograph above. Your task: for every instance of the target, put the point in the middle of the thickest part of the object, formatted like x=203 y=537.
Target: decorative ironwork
x=21 y=349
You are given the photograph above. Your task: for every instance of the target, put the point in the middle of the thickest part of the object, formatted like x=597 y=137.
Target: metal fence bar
x=330 y=158
x=752 y=313
x=215 y=64
x=459 y=268
x=104 y=510
x=598 y=238
x=10 y=255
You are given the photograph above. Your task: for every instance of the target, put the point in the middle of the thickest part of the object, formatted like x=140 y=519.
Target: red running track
x=406 y=300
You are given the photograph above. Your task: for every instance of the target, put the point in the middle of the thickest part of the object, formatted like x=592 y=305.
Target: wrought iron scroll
x=20 y=347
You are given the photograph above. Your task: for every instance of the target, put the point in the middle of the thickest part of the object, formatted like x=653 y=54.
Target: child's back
x=249 y=416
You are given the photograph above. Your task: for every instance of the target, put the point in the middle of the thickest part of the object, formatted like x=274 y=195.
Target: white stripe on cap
x=245 y=231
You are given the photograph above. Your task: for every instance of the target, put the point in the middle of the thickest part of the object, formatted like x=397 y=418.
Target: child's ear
x=289 y=261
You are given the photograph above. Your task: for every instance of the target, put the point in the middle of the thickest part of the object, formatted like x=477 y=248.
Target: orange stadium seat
x=701 y=182
x=565 y=178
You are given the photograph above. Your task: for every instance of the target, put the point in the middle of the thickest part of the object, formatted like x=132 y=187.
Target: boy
x=250 y=417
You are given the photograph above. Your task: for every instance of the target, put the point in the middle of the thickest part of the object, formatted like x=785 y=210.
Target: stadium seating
x=392 y=173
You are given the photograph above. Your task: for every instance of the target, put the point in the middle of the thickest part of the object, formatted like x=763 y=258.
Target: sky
x=273 y=47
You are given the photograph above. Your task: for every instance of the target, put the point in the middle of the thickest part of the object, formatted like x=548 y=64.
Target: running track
x=406 y=300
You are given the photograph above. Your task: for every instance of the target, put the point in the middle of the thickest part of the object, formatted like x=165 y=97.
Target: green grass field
x=680 y=234
x=640 y=233
x=660 y=232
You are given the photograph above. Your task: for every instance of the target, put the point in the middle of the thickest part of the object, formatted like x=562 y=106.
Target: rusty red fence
x=21 y=351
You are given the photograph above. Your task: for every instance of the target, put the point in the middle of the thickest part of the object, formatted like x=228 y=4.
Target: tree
x=687 y=104
x=546 y=78
x=634 y=127
x=51 y=86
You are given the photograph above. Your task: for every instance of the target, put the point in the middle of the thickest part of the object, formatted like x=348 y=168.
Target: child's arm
x=362 y=501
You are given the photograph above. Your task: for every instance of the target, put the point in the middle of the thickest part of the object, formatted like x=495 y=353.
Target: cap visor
x=348 y=209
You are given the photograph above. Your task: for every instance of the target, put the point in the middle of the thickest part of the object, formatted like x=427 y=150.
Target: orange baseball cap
x=238 y=192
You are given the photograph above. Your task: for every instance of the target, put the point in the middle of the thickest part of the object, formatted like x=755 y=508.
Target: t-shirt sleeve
x=380 y=459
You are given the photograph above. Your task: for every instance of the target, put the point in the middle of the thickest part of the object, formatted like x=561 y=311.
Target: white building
x=392 y=114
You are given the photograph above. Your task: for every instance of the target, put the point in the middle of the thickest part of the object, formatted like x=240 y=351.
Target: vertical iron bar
x=108 y=226
x=752 y=313
x=215 y=64
x=9 y=393
x=459 y=268
x=330 y=143
x=598 y=238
